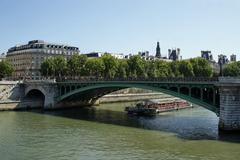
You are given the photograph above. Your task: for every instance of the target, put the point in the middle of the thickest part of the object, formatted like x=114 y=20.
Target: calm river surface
x=107 y=133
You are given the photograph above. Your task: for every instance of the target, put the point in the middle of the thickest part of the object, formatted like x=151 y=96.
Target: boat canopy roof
x=164 y=100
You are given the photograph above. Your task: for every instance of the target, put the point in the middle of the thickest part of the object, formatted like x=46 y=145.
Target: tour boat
x=155 y=106
x=141 y=109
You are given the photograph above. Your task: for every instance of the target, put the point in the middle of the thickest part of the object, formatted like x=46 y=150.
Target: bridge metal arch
x=157 y=88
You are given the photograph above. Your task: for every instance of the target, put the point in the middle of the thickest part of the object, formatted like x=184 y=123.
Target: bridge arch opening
x=207 y=92
x=92 y=92
x=196 y=92
x=184 y=90
x=34 y=99
x=175 y=89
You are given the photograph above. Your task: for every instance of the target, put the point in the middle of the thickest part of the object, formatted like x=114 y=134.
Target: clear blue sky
x=124 y=26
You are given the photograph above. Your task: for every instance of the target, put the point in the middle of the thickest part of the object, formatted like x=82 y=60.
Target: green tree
x=47 y=67
x=136 y=66
x=110 y=65
x=6 y=69
x=232 y=69
x=201 y=67
x=163 y=68
x=185 y=68
x=122 y=68
x=94 y=67
x=151 y=69
x=76 y=65
x=60 y=66
x=174 y=67
x=73 y=65
x=82 y=61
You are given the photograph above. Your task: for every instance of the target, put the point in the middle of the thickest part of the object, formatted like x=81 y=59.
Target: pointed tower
x=158 y=51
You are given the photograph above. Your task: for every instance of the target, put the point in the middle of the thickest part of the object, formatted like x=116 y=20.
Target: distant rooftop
x=39 y=44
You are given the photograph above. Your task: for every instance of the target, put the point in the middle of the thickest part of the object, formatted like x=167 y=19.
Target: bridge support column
x=201 y=93
x=190 y=91
x=229 y=118
x=214 y=96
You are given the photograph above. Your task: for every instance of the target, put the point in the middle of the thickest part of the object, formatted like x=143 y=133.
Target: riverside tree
x=185 y=68
x=136 y=67
x=6 y=69
x=122 y=69
x=60 y=66
x=201 y=67
x=108 y=66
x=163 y=68
x=76 y=65
x=95 y=67
x=47 y=67
x=232 y=69
x=151 y=69
x=54 y=67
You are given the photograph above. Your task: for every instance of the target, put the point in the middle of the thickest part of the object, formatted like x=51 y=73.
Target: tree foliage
x=185 y=68
x=135 y=67
x=47 y=67
x=56 y=67
x=60 y=66
x=163 y=69
x=6 y=69
x=201 y=67
x=232 y=69
x=110 y=64
x=76 y=65
x=122 y=69
x=95 y=67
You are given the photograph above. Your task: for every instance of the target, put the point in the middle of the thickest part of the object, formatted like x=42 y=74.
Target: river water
x=107 y=133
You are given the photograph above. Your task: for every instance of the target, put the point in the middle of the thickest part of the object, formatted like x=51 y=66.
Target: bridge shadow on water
x=184 y=127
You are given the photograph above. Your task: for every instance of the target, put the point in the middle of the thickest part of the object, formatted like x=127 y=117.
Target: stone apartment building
x=27 y=59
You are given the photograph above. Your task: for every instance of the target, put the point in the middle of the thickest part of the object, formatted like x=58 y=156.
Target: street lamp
x=220 y=62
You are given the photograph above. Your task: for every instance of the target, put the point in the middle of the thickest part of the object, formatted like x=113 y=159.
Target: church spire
x=158 y=51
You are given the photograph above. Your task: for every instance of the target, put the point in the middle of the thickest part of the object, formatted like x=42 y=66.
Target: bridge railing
x=160 y=79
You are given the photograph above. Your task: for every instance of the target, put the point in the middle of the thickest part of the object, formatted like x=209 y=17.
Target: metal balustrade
x=160 y=79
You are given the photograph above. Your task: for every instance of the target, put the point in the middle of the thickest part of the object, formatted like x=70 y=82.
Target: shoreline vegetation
x=108 y=66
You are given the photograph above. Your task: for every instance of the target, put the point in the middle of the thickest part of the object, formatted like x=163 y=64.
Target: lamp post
x=220 y=62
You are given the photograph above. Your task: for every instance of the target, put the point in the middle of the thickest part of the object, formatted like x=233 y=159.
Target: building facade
x=207 y=55
x=2 y=57
x=27 y=59
x=100 y=54
x=222 y=59
x=233 y=58
x=174 y=54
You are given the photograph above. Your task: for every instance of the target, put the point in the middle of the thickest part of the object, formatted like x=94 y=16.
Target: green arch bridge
x=199 y=91
x=220 y=95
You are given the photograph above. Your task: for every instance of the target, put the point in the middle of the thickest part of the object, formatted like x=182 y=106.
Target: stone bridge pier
x=48 y=89
x=229 y=116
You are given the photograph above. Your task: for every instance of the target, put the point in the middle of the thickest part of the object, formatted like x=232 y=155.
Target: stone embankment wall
x=9 y=90
x=9 y=95
x=133 y=94
x=129 y=97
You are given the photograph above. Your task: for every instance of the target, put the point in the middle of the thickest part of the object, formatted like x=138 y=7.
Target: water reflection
x=106 y=132
x=190 y=124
